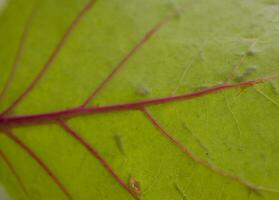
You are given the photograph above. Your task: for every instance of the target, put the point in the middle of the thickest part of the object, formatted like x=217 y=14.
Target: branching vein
x=202 y=162
x=97 y=155
x=38 y=160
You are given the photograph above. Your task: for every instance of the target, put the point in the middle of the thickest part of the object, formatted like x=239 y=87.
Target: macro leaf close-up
x=139 y=100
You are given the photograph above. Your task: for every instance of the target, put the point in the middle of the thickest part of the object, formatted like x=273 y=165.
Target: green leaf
x=161 y=99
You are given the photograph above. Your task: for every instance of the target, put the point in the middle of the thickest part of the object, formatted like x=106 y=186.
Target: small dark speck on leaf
x=143 y=90
x=251 y=52
x=135 y=185
x=248 y=71
x=119 y=142
x=180 y=191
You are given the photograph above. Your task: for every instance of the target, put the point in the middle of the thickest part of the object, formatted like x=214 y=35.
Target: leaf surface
x=143 y=99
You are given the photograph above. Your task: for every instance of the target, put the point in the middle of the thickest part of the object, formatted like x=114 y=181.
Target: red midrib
x=79 y=111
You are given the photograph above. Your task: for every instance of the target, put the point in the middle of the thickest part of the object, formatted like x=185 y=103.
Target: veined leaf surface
x=151 y=99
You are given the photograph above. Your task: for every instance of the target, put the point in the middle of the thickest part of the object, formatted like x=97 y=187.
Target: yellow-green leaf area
x=220 y=145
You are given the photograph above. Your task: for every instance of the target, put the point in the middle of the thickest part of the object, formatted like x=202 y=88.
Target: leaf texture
x=152 y=99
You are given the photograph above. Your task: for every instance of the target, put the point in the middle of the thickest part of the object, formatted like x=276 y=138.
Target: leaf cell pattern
x=10 y=121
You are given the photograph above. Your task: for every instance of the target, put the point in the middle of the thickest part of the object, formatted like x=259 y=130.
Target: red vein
x=13 y=171
x=202 y=162
x=69 y=113
x=97 y=155
x=18 y=55
x=40 y=162
x=52 y=57
x=130 y=54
